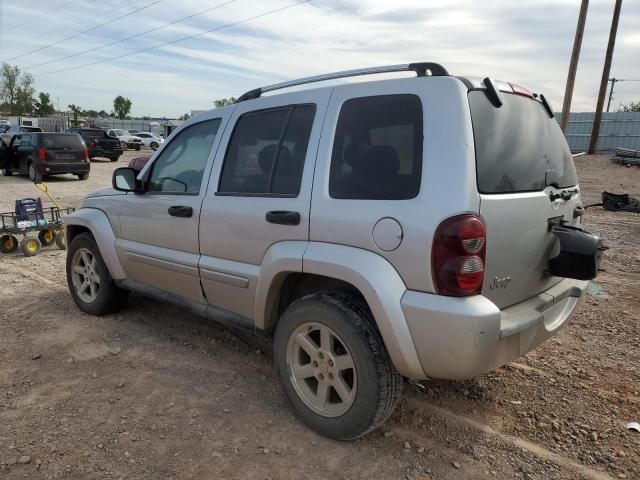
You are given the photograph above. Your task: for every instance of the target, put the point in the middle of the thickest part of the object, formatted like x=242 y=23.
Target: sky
x=525 y=42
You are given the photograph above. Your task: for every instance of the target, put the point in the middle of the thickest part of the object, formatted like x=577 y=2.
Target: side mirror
x=124 y=180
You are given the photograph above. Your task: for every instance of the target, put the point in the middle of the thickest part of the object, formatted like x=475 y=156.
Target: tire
x=137 y=146
x=6 y=172
x=47 y=237
x=8 y=244
x=30 y=246
x=61 y=243
x=154 y=145
x=104 y=296
x=83 y=176
x=114 y=159
x=34 y=176
x=370 y=382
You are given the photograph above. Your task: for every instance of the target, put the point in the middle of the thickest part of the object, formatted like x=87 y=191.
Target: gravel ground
x=155 y=393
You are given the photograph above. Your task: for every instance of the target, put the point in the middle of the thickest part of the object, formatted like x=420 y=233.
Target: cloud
x=525 y=42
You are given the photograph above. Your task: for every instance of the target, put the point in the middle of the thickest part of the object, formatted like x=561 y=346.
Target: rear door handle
x=282 y=217
x=181 y=211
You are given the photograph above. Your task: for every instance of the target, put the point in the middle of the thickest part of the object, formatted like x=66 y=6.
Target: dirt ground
x=155 y=393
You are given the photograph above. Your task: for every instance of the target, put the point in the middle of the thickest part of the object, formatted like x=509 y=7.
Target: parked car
x=11 y=131
x=150 y=139
x=138 y=163
x=41 y=154
x=419 y=227
x=128 y=140
x=4 y=125
x=99 y=144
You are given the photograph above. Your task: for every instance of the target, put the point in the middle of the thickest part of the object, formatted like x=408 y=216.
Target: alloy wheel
x=321 y=369
x=85 y=275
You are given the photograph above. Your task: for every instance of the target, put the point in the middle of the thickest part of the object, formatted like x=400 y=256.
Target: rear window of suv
x=517 y=144
x=65 y=140
x=377 y=149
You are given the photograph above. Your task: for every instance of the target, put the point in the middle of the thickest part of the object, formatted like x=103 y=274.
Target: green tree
x=632 y=107
x=43 y=106
x=90 y=113
x=224 y=101
x=121 y=106
x=76 y=110
x=16 y=90
x=102 y=113
x=184 y=117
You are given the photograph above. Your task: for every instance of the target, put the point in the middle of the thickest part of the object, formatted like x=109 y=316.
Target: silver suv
x=412 y=227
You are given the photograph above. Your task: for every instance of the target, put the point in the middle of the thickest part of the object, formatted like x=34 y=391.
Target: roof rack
x=421 y=69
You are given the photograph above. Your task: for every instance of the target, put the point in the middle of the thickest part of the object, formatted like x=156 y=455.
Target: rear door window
x=267 y=151
x=517 y=144
x=377 y=149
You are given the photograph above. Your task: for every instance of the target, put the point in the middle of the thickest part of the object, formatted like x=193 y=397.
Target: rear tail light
x=458 y=255
x=86 y=154
x=42 y=154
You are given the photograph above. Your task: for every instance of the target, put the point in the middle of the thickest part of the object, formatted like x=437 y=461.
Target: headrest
x=267 y=155
x=379 y=160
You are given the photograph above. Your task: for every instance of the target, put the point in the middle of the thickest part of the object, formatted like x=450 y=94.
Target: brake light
x=86 y=154
x=458 y=255
x=518 y=90
x=42 y=154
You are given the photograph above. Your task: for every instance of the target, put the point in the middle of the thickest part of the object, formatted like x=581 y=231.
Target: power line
x=176 y=41
x=132 y=36
x=85 y=31
x=55 y=9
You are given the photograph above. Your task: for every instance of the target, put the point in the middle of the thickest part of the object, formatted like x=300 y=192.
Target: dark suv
x=99 y=144
x=42 y=154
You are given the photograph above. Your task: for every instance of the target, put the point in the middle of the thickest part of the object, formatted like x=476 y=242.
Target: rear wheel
x=34 y=175
x=8 y=244
x=153 y=145
x=83 y=176
x=6 y=172
x=115 y=158
x=30 y=246
x=334 y=367
x=90 y=283
x=47 y=237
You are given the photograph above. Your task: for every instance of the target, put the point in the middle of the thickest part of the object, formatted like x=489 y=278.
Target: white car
x=131 y=141
x=150 y=139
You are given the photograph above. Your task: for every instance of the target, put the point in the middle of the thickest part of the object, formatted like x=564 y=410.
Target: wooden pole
x=595 y=131
x=573 y=66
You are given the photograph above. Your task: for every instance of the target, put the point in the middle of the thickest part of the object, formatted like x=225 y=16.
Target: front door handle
x=181 y=211
x=282 y=217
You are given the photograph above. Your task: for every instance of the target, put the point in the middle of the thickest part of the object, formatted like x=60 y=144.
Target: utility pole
x=573 y=66
x=613 y=81
x=595 y=132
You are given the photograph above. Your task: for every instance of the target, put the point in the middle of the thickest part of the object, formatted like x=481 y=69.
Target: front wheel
x=30 y=246
x=6 y=172
x=137 y=147
x=83 y=176
x=114 y=159
x=334 y=367
x=88 y=278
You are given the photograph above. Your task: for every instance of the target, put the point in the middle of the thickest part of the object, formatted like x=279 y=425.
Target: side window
x=267 y=150
x=16 y=141
x=180 y=166
x=25 y=141
x=377 y=149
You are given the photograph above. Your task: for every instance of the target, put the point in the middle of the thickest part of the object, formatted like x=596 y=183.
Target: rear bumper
x=460 y=338
x=101 y=152
x=55 y=168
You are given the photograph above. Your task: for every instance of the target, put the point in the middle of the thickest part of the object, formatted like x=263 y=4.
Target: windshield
x=517 y=144
x=94 y=133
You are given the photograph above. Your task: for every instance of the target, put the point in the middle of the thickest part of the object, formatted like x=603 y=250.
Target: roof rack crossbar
x=421 y=70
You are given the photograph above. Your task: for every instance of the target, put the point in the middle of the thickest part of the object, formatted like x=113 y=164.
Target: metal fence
x=617 y=130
